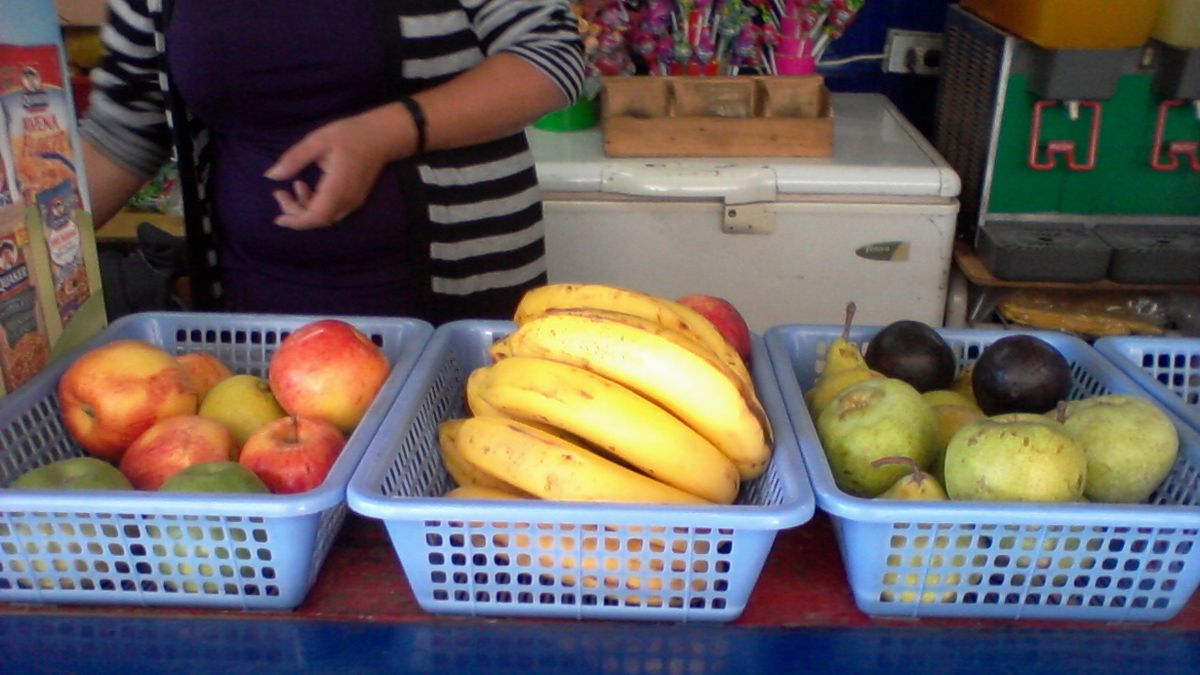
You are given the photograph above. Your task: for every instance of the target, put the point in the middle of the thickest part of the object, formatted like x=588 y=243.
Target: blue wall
x=914 y=95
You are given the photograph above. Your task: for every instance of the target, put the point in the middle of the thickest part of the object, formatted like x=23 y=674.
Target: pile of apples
x=151 y=420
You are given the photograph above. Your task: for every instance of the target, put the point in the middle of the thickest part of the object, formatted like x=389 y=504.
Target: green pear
x=950 y=418
x=828 y=387
x=844 y=366
x=1014 y=457
x=936 y=397
x=842 y=354
x=1130 y=444
x=879 y=417
x=963 y=383
x=915 y=485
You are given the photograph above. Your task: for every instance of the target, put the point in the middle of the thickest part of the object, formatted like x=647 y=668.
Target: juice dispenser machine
x=1077 y=144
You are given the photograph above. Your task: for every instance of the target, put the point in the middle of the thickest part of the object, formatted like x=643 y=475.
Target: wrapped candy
x=746 y=51
x=839 y=16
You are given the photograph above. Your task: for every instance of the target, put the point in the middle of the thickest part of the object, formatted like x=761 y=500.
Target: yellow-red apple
x=174 y=444
x=328 y=370
x=727 y=319
x=243 y=403
x=204 y=369
x=293 y=454
x=112 y=394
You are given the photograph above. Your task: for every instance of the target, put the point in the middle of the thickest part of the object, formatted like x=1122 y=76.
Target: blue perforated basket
x=1167 y=367
x=166 y=549
x=1003 y=560
x=563 y=559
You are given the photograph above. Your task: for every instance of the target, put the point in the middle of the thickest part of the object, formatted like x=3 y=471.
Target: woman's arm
x=110 y=184
x=534 y=65
x=125 y=134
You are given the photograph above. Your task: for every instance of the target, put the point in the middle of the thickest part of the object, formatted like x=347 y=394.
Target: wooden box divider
x=745 y=116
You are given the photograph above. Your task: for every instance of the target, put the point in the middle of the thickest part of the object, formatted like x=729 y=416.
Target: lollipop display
x=714 y=90
x=807 y=27
x=711 y=37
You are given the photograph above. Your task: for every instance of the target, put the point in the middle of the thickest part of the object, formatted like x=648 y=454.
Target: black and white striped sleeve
x=545 y=33
x=126 y=115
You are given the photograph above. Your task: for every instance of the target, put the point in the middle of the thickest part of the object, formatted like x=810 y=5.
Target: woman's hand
x=499 y=96
x=350 y=153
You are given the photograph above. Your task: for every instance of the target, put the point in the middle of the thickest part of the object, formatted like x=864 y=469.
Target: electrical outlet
x=912 y=52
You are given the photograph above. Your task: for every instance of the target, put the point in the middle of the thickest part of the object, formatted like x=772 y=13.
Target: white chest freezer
x=787 y=240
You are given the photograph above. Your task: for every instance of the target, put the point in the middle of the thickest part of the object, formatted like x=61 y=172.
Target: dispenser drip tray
x=1144 y=254
x=1040 y=251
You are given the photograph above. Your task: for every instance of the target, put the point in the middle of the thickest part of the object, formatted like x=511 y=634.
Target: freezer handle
x=747 y=192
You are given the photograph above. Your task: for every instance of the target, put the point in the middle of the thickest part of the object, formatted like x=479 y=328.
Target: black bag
x=140 y=280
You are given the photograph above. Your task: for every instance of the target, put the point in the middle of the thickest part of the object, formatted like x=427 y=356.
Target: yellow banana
x=475 y=402
x=462 y=471
x=480 y=492
x=661 y=364
x=549 y=467
x=480 y=407
x=544 y=299
x=611 y=417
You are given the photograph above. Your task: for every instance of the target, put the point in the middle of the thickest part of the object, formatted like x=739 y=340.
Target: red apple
x=204 y=369
x=293 y=454
x=727 y=319
x=174 y=444
x=328 y=370
x=110 y=395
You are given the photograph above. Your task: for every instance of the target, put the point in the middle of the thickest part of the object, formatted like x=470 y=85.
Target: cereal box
x=58 y=207
x=50 y=295
x=38 y=118
x=8 y=186
x=24 y=342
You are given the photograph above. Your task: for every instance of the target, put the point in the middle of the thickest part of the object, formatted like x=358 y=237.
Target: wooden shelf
x=122 y=228
x=977 y=273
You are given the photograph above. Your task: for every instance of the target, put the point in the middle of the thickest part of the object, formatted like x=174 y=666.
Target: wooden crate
x=764 y=116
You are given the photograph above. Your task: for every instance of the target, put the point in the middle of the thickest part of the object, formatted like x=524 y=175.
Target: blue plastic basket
x=563 y=559
x=1003 y=560
x=1167 y=367
x=164 y=549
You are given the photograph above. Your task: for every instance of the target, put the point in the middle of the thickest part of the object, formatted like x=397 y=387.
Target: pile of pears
x=894 y=430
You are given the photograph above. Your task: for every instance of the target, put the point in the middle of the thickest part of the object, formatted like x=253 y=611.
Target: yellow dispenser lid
x=1072 y=24
x=1179 y=23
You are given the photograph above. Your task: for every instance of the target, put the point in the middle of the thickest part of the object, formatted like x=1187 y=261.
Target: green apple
x=1130 y=445
x=1015 y=457
x=215 y=477
x=243 y=403
x=76 y=473
x=875 y=418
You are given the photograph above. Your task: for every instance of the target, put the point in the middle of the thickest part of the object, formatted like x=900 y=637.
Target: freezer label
x=887 y=251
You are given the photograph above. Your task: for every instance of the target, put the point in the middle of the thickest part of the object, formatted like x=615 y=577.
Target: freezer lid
x=876 y=152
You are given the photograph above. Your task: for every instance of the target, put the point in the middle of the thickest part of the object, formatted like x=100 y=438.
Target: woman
x=338 y=157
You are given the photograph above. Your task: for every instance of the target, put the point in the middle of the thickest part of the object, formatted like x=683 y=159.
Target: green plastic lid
x=580 y=115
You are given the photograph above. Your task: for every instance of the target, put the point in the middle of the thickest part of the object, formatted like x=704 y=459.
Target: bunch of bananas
x=608 y=394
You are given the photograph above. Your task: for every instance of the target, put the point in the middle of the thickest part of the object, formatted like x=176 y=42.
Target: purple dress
x=261 y=75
